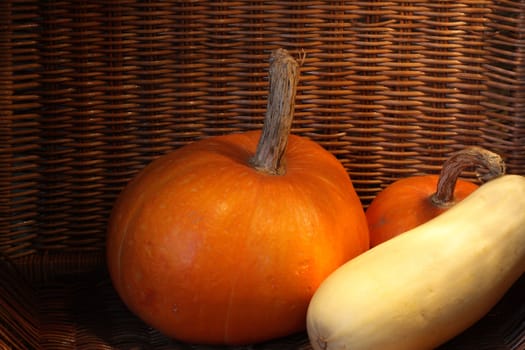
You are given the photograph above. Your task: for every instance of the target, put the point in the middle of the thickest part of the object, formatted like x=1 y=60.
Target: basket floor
x=85 y=312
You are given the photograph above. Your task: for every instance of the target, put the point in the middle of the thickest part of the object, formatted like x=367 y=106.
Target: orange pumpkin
x=225 y=240
x=412 y=201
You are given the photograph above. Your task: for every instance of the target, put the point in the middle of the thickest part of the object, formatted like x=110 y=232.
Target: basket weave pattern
x=91 y=91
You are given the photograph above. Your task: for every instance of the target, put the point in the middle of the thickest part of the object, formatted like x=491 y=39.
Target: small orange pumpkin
x=225 y=240
x=411 y=201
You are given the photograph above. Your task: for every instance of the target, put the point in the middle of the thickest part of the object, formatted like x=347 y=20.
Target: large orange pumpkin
x=225 y=240
x=412 y=201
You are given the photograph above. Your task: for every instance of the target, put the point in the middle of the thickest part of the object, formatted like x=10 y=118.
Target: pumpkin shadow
x=103 y=321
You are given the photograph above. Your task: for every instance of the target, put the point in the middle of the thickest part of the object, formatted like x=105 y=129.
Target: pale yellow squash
x=427 y=285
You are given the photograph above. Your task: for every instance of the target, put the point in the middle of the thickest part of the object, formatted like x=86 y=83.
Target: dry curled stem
x=488 y=165
x=284 y=77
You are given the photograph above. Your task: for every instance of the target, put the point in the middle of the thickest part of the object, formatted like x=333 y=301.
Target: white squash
x=427 y=285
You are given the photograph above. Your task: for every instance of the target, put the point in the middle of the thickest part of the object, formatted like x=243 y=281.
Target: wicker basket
x=91 y=91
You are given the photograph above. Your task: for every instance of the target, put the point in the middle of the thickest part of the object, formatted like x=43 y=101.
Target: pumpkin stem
x=283 y=79
x=488 y=165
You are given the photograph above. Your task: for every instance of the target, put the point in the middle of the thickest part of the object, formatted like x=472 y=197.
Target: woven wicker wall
x=91 y=91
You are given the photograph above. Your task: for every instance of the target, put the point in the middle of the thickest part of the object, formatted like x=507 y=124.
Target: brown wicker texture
x=91 y=91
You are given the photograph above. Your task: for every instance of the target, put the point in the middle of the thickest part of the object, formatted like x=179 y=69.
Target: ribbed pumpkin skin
x=208 y=250
x=405 y=204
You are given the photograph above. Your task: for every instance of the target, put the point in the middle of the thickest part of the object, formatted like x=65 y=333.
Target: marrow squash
x=427 y=285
